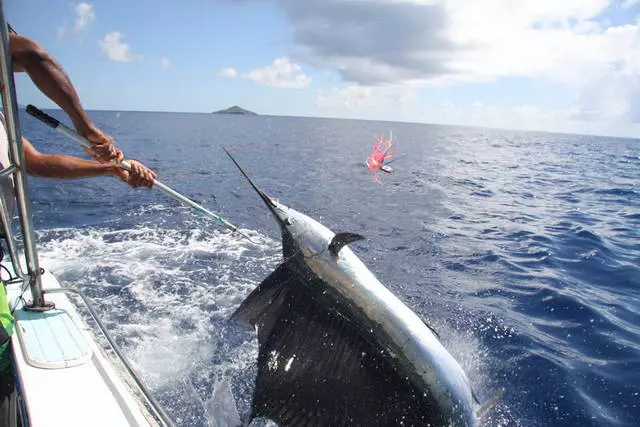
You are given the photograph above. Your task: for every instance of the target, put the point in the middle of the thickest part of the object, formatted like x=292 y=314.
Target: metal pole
x=16 y=155
x=5 y=219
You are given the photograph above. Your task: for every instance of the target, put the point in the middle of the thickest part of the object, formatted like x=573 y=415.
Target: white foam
x=166 y=295
x=474 y=358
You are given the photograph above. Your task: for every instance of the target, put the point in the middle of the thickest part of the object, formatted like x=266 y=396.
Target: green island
x=236 y=110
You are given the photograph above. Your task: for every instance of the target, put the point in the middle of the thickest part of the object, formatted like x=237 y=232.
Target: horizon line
x=347 y=118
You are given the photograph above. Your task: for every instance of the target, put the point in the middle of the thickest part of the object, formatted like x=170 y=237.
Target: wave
x=166 y=296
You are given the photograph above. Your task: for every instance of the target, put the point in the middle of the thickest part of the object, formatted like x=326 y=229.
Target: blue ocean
x=521 y=249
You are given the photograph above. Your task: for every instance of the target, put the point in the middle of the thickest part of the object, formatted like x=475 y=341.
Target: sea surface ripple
x=522 y=249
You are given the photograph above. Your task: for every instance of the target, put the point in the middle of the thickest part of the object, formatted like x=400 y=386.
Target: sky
x=549 y=65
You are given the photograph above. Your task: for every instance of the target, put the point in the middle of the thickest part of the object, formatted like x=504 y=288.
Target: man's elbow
x=35 y=163
x=33 y=169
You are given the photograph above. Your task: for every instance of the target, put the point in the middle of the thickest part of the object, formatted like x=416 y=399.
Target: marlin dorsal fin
x=341 y=239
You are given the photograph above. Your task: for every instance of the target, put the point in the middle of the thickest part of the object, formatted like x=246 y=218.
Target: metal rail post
x=16 y=155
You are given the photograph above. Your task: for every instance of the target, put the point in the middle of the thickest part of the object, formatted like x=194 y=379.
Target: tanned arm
x=47 y=74
x=70 y=167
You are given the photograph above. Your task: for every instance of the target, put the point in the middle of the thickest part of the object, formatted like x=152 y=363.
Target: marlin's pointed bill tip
x=262 y=195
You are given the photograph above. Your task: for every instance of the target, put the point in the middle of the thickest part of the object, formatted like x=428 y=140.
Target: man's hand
x=140 y=175
x=103 y=149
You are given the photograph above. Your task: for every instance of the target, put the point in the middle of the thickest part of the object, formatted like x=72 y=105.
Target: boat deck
x=65 y=376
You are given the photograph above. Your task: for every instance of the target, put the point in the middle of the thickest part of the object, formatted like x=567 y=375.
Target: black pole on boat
x=60 y=127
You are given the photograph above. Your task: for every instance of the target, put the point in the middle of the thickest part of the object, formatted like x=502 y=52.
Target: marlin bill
x=338 y=348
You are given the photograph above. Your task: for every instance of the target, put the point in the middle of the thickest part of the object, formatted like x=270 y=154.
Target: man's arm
x=47 y=74
x=70 y=167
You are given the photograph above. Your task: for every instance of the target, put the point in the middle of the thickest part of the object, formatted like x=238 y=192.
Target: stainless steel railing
x=18 y=170
x=5 y=220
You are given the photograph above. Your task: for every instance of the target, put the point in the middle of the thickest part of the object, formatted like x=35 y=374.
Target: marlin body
x=338 y=348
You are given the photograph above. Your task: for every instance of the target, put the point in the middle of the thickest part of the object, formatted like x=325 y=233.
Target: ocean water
x=522 y=249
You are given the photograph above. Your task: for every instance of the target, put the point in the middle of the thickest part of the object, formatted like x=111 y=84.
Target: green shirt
x=6 y=328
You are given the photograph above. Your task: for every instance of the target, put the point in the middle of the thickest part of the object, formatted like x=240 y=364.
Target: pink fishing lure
x=381 y=154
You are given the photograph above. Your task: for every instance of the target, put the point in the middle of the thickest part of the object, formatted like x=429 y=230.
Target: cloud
x=398 y=103
x=228 y=72
x=627 y=4
x=402 y=103
x=281 y=73
x=84 y=16
x=526 y=117
x=439 y=43
x=372 y=42
x=352 y=97
x=116 y=50
x=165 y=63
x=60 y=32
x=379 y=42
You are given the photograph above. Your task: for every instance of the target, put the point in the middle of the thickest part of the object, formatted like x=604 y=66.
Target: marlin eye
x=289 y=221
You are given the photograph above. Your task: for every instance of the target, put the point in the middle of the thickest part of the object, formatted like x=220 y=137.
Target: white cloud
x=429 y=40
x=435 y=43
x=281 y=73
x=558 y=41
x=525 y=117
x=84 y=16
x=626 y=4
x=165 y=63
x=116 y=50
x=352 y=97
x=60 y=32
x=228 y=72
x=531 y=38
x=399 y=103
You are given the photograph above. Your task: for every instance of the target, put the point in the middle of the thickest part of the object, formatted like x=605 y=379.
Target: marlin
x=337 y=348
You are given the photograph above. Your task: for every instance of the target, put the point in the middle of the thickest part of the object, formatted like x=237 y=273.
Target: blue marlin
x=336 y=347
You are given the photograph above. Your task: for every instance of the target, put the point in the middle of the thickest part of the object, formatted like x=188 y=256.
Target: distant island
x=236 y=110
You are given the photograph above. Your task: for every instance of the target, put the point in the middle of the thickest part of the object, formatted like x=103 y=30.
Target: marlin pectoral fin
x=342 y=239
